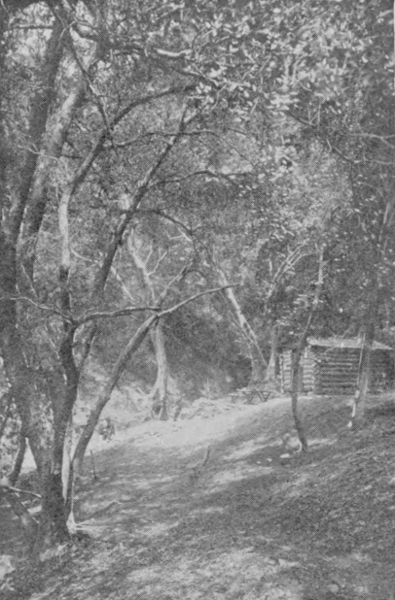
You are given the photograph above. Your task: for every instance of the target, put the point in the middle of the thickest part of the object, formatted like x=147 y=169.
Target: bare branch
x=186 y=230
x=169 y=311
x=110 y=314
x=172 y=281
x=208 y=172
x=134 y=203
x=129 y=310
x=381 y=138
x=158 y=263
x=10 y=488
x=117 y=236
x=122 y=283
x=127 y=351
x=43 y=307
x=86 y=164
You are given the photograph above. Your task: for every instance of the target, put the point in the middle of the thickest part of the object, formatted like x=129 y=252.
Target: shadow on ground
x=248 y=526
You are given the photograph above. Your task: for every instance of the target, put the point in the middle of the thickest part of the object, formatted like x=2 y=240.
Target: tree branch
x=169 y=311
x=110 y=314
x=86 y=164
x=42 y=307
x=4 y=486
x=37 y=122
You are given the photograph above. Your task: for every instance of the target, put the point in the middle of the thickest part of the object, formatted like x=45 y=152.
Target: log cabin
x=331 y=365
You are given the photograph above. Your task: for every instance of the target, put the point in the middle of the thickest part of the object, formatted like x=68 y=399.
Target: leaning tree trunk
x=131 y=347
x=94 y=415
x=18 y=461
x=258 y=362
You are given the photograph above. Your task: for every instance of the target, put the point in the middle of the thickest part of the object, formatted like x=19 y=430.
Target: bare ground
x=249 y=525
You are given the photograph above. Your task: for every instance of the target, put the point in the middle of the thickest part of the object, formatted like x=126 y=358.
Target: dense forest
x=187 y=188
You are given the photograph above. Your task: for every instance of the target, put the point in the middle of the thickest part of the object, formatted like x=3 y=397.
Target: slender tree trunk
x=364 y=371
x=258 y=362
x=271 y=367
x=299 y=351
x=67 y=475
x=4 y=158
x=51 y=153
x=295 y=387
x=159 y=392
x=94 y=415
x=18 y=462
x=7 y=399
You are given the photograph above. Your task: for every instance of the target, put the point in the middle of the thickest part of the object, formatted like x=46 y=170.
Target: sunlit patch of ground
x=248 y=575
x=239 y=472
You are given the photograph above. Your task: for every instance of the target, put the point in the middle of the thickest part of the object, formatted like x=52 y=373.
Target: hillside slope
x=246 y=525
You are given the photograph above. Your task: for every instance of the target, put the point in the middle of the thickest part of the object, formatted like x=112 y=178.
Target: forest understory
x=197 y=209
x=250 y=524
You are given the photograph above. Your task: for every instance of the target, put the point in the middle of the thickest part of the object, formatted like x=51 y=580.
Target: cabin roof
x=339 y=342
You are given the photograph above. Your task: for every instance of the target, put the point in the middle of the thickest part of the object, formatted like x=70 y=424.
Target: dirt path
x=248 y=526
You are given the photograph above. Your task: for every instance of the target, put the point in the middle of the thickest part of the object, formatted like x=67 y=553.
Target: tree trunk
x=7 y=400
x=159 y=392
x=94 y=415
x=18 y=462
x=51 y=153
x=364 y=371
x=67 y=472
x=159 y=406
x=271 y=374
x=258 y=362
x=295 y=387
x=53 y=519
x=31 y=405
x=299 y=351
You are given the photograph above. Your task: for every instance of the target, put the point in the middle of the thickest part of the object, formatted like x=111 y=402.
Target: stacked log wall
x=335 y=370
x=286 y=371
x=307 y=371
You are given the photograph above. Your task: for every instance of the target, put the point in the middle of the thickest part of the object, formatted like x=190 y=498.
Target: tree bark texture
x=258 y=361
x=159 y=406
x=299 y=351
x=18 y=461
x=364 y=372
x=160 y=389
x=271 y=375
x=31 y=402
